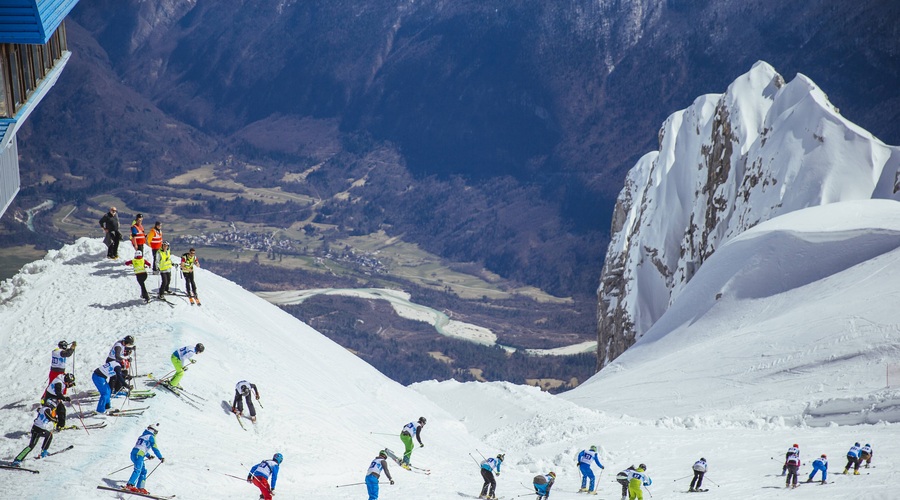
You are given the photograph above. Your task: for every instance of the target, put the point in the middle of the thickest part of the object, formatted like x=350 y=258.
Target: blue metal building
x=33 y=53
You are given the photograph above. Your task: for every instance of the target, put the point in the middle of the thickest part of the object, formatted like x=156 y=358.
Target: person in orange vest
x=155 y=237
x=140 y=272
x=138 y=238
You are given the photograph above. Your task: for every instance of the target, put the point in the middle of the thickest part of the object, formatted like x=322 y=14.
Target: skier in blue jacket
x=261 y=473
x=853 y=459
x=487 y=473
x=145 y=443
x=102 y=376
x=819 y=464
x=584 y=463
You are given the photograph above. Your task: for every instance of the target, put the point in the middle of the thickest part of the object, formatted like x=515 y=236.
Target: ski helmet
x=823 y=455
x=63 y=344
x=278 y=457
x=702 y=459
x=138 y=254
x=796 y=445
x=594 y=448
x=69 y=379
x=552 y=474
x=501 y=457
x=165 y=243
x=199 y=348
x=128 y=340
x=154 y=428
x=855 y=444
x=382 y=454
x=642 y=467
x=867 y=444
x=422 y=420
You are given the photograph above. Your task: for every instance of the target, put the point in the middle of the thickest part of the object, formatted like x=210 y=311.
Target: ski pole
x=710 y=480
x=648 y=491
x=119 y=470
x=680 y=478
x=379 y=433
x=259 y=403
x=351 y=484
x=157 y=467
x=482 y=454
x=80 y=417
x=475 y=459
x=229 y=475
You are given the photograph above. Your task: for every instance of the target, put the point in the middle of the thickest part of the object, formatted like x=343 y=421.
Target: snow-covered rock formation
x=728 y=162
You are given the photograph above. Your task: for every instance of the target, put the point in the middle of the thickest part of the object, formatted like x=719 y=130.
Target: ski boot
x=847 y=470
x=253 y=419
x=405 y=465
x=592 y=492
x=143 y=490
x=583 y=490
x=44 y=453
x=131 y=488
x=16 y=463
x=856 y=473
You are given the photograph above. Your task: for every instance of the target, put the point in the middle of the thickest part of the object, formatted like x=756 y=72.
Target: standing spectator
x=188 y=262
x=140 y=272
x=699 y=470
x=138 y=238
x=865 y=453
x=819 y=464
x=793 y=465
x=155 y=238
x=110 y=225
x=373 y=474
x=163 y=261
x=242 y=389
x=853 y=459
x=58 y=358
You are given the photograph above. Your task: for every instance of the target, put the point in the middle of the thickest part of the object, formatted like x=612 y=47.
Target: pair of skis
x=408 y=467
x=10 y=466
x=80 y=427
x=145 y=495
x=188 y=397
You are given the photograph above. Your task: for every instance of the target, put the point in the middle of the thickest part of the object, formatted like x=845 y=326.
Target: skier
x=145 y=443
x=819 y=464
x=853 y=459
x=140 y=272
x=637 y=479
x=793 y=465
x=793 y=450
x=120 y=352
x=243 y=389
x=406 y=435
x=58 y=358
x=373 y=474
x=585 y=457
x=188 y=262
x=163 y=262
x=112 y=236
x=55 y=394
x=622 y=478
x=42 y=427
x=542 y=484
x=260 y=473
x=111 y=370
x=179 y=357
x=487 y=473
x=138 y=238
x=699 y=470
x=865 y=453
x=155 y=238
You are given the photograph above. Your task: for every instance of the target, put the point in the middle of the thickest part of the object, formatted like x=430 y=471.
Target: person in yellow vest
x=155 y=239
x=164 y=259
x=138 y=238
x=188 y=262
x=140 y=272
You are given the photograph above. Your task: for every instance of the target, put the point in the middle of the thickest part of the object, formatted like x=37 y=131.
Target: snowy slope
x=761 y=149
x=322 y=405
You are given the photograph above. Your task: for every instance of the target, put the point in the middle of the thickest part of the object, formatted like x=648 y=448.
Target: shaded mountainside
x=542 y=105
x=762 y=149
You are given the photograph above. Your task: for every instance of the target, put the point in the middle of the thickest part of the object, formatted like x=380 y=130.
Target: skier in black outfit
x=55 y=394
x=242 y=389
x=699 y=470
x=622 y=478
x=110 y=225
x=42 y=427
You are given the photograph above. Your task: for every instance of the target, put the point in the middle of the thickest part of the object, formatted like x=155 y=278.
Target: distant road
x=399 y=300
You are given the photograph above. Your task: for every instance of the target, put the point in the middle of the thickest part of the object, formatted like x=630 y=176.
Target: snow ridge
x=726 y=163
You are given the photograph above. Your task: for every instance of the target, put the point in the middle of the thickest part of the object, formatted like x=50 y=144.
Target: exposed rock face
x=761 y=149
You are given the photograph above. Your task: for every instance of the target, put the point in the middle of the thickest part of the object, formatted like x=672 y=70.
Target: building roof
x=31 y=21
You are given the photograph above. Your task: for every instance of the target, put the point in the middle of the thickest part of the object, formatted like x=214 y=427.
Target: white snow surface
x=726 y=379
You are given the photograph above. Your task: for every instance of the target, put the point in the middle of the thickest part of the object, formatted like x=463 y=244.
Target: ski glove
x=392 y=481
x=67 y=399
x=193 y=361
x=421 y=446
x=249 y=479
